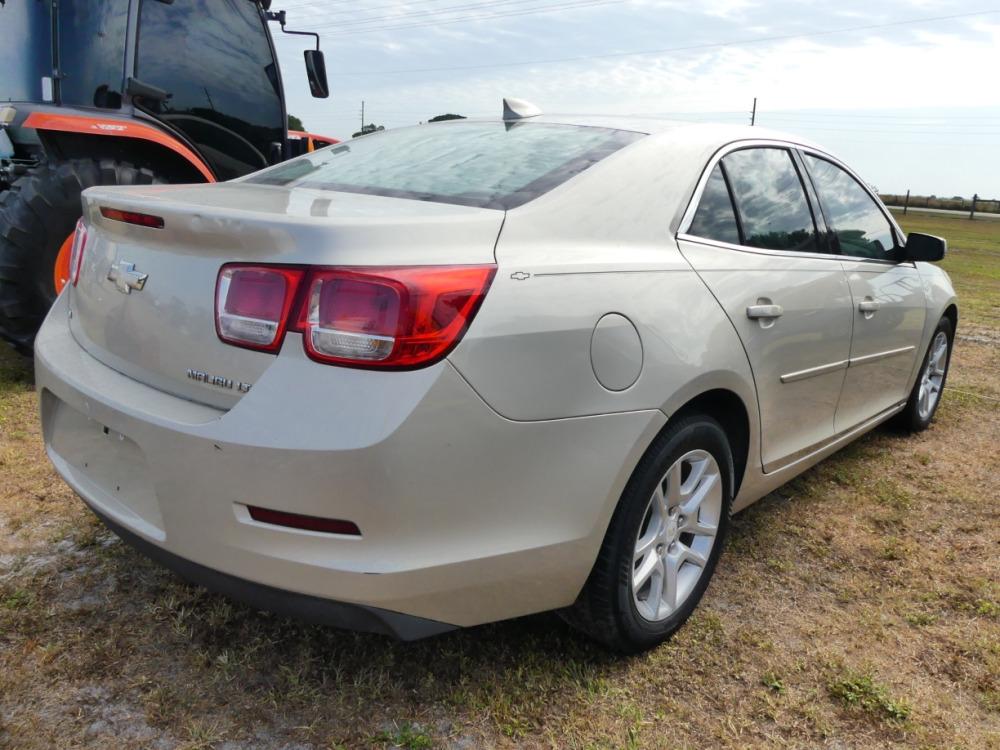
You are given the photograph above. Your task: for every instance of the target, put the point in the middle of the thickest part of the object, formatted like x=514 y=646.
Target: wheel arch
x=730 y=411
x=951 y=313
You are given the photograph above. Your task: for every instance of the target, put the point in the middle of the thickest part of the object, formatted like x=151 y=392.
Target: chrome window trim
x=687 y=218
x=759 y=250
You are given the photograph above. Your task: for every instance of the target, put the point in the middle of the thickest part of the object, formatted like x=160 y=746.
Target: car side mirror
x=924 y=247
x=316 y=72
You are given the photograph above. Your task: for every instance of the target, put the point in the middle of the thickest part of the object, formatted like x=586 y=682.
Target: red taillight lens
x=252 y=304
x=76 y=251
x=390 y=317
x=131 y=217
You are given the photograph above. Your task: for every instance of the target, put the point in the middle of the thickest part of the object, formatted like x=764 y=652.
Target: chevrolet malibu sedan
x=456 y=373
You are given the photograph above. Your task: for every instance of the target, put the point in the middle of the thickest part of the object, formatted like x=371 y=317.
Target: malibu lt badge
x=218 y=381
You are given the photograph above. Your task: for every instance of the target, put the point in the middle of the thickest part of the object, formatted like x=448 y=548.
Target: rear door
x=753 y=239
x=887 y=296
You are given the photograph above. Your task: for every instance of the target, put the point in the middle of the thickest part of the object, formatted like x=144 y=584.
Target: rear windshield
x=482 y=164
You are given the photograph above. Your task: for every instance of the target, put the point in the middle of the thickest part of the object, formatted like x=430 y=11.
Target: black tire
x=910 y=419
x=37 y=214
x=605 y=609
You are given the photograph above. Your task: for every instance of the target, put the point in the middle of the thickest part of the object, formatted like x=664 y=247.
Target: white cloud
x=941 y=65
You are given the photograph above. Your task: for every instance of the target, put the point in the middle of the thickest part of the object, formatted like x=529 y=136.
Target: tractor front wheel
x=37 y=217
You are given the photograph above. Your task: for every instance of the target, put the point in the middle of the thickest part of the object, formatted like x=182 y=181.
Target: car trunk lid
x=161 y=330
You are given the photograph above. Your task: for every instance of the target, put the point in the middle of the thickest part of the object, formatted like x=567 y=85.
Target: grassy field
x=857 y=607
x=974 y=267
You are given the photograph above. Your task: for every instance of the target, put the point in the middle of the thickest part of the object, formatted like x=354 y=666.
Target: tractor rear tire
x=37 y=213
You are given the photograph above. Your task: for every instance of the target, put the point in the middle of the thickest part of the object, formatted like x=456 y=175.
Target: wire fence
x=973 y=206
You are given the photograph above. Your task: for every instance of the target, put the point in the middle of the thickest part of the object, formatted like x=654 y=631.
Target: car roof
x=694 y=134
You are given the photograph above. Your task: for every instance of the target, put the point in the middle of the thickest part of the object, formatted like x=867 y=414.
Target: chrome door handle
x=755 y=312
x=869 y=306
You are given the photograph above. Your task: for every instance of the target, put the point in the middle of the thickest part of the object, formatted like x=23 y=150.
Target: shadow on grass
x=205 y=647
x=513 y=673
x=535 y=656
x=16 y=370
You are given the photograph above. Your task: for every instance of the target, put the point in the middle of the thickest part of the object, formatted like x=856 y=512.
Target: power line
x=926 y=124
x=323 y=7
x=899 y=131
x=439 y=11
x=683 y=48
x=915 y=122
x=491 y=16
x=817 y=113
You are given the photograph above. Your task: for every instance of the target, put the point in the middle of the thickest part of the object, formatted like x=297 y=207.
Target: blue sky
x=909 y=105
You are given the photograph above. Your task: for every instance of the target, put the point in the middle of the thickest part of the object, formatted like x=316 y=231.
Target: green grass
x=18 y=599
x=973 y=261
x=408 y=737
x=863 y=692
x=960 y=231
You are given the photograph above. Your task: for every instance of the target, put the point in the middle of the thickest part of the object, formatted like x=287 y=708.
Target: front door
x=788 y=300
x=887 y=296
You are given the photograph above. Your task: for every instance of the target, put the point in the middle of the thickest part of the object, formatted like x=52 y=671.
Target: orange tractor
x=126 y=92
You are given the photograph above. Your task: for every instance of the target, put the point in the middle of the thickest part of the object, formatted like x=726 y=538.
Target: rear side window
x=859 y=225
x=482 y=164
x=770 y=199
x=715 y=218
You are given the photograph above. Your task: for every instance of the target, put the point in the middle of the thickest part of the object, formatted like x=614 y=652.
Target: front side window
x=715 y=218
x=214 y=61
x=859 y=225
x=770 y=199
x=92 y=52
x=482 y=164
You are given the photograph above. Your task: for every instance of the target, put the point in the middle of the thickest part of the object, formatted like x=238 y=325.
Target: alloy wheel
x=932 y=376
x=678 y=531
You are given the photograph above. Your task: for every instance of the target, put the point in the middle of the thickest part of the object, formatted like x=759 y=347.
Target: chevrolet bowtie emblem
x=126 y=278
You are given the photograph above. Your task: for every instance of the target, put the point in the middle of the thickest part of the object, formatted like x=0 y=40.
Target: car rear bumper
x=465 y=516
x=303 y=607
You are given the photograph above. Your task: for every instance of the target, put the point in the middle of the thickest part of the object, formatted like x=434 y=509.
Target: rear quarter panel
x=602 y=243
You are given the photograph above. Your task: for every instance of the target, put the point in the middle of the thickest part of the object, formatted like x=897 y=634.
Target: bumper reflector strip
x=299 y=521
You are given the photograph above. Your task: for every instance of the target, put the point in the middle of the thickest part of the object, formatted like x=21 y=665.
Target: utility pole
x=753 y=112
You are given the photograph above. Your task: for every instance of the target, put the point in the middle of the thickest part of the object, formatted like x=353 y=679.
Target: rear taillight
x=132 y=217
x=252 y=304
x=76 y=251
x=351 y=316
x=388 y=318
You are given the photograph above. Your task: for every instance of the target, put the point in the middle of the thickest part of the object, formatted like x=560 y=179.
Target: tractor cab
x=126 y=92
